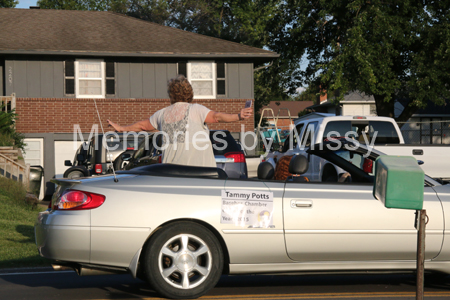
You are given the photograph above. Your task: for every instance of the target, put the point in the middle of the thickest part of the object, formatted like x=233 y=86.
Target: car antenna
x=107 y=148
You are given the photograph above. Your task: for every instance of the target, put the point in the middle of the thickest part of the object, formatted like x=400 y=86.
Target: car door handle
x=301 y=203
x=417 y=152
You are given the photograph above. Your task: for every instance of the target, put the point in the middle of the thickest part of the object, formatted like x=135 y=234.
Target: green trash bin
x=399 y=182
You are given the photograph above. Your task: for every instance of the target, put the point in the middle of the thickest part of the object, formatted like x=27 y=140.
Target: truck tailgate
x=435 y=157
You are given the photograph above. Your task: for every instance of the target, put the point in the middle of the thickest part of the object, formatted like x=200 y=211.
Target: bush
x=8 y=134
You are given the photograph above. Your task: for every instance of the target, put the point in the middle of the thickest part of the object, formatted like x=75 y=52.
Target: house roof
x=294 y=108
x=73 y=32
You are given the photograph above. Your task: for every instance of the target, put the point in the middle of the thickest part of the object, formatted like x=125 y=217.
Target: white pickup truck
x=380 y=132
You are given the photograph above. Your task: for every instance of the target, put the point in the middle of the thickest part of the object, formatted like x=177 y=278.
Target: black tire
x=436 y=277
x=172 y=266
x=74 y=174
x=119 y=164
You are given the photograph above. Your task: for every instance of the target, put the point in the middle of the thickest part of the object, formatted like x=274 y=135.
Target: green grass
x=17 y=217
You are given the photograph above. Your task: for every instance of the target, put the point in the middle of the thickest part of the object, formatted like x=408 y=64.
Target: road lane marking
x=313 y=296
x=326 y=295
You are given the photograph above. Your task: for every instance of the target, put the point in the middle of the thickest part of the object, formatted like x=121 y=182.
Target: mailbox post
x=399 y=184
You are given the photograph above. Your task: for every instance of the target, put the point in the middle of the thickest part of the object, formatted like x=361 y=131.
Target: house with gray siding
x=57 y=62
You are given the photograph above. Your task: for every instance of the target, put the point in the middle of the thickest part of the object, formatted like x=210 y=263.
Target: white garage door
x=64 y=150
x=34 y=152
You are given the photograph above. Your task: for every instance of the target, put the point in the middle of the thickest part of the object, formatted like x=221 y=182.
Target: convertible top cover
x=172 y=170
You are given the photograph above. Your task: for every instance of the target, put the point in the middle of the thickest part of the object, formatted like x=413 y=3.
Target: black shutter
x=110 y=69
x=69 y=68
x=221 y=87
x=110 y=78
x=110 y=87
x=220 y=70
x=69 y=77
x=70 y=86
x=182 y=69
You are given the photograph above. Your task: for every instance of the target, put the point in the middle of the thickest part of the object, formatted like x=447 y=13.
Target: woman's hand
x=116 y=127
x=246 y=113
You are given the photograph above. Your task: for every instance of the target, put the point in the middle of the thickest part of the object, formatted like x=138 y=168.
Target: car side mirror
x=80 y=157
x=67 y=163
x=126 y=156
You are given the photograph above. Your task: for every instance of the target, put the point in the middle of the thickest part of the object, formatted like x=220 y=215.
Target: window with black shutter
x=110 y=79
x=69 y=77
x=221 y=87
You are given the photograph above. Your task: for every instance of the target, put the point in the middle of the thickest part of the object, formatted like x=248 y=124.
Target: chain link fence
x=426 y=132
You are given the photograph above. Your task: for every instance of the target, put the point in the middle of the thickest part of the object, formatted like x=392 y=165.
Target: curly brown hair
x=180 y=90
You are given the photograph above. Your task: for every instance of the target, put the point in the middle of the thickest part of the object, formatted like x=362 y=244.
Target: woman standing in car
x=185 y=134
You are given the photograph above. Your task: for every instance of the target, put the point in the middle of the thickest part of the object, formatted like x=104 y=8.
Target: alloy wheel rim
x=185 y=261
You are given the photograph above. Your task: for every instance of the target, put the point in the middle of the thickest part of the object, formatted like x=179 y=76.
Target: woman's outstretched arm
x=143 y=125
x=215 y=117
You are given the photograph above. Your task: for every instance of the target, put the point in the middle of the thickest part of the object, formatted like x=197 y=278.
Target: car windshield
x=223 y=142
x=383 y=132
x=357 y=159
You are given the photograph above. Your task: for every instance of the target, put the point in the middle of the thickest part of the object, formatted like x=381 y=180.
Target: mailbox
x=399 y=182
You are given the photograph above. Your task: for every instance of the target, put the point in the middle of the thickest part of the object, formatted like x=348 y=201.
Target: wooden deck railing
x=9 y=168
x=8 y=103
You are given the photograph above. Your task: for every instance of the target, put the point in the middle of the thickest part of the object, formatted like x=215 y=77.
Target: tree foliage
x=111 y=5
x=388 y=49
x=8 y=134
x=8 y=3
x=311 y=93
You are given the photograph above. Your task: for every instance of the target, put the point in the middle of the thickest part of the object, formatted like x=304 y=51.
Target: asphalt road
x=66 y=285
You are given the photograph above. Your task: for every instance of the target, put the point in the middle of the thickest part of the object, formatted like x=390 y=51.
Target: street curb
x=26 y=270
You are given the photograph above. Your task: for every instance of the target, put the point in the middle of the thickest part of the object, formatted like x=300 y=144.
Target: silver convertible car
x=180 y=228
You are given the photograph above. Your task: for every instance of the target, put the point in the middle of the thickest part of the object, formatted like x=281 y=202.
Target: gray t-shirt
x=184 y=134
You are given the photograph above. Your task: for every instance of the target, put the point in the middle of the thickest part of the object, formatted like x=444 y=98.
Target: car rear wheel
x=183 y=260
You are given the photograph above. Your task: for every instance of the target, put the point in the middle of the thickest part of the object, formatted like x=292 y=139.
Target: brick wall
x=42 y=115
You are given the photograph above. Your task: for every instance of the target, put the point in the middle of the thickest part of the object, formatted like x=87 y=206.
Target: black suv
x=92 y=158
x=231 y=159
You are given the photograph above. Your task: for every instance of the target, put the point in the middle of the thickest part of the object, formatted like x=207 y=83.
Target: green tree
x=111 y=5
x=388 y=49
x=8 y=134
x=311 y=93
x=8 y=3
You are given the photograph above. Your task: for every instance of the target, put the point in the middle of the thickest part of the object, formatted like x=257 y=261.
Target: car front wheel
x=183 y=260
